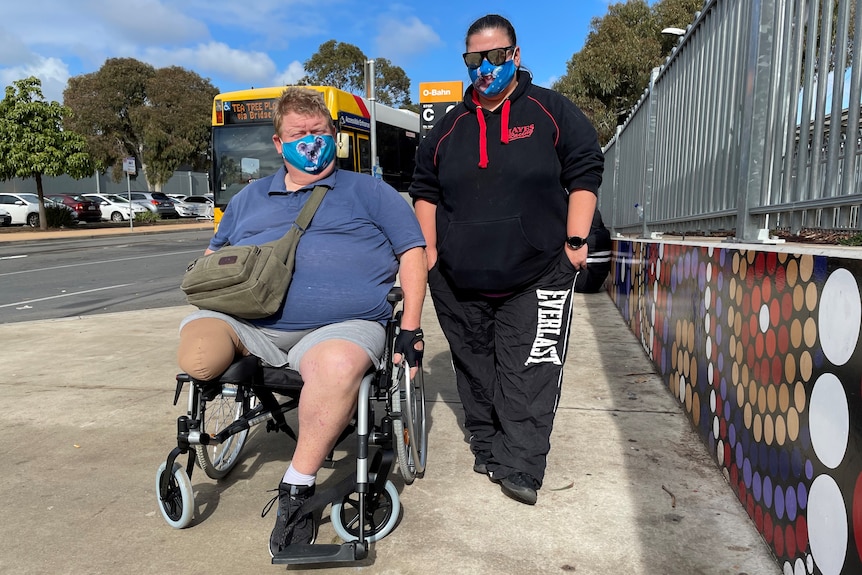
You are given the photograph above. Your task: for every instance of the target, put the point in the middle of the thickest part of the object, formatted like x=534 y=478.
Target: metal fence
x=182 y=182
x=735 y=133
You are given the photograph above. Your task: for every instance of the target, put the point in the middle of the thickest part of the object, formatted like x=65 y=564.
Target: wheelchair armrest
x=395 y=295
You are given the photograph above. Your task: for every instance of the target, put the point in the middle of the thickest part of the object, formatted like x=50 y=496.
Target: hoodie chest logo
x=520 y=132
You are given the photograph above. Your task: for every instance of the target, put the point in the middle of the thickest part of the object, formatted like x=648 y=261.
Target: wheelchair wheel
x=409 y=431
x=382 y=512
x=178 y=506
x=217 y=460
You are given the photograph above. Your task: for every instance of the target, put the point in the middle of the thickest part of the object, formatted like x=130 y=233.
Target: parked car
x=205 y=205
x=183 y=209
x=54 y=203
x=206 y=200
x=24 y=208
x=5 y=218
x=115 y=208
x=156 y=202
x=87 y=209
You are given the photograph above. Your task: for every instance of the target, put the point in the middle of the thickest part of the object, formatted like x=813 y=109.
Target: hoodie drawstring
x=483 y=139
x=483 y=128
x=504 y=123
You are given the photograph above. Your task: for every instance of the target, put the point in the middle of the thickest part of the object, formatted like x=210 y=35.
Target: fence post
x=649 y=154
x=755 y=115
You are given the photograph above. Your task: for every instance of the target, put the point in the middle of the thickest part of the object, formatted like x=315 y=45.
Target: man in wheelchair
x=330 y=325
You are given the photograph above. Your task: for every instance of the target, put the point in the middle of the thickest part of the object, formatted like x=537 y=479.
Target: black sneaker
x=481 y=462
x=301 y=530
x=520 y=487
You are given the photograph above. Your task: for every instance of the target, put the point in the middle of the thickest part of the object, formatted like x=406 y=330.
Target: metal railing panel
x=735 y=130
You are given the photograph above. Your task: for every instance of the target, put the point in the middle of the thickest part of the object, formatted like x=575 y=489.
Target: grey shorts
x=280 y=348
x=369 y=335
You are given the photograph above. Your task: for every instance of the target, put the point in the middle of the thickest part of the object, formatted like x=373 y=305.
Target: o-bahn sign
x=435 y=99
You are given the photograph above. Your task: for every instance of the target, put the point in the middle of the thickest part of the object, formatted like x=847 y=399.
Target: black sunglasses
x=496 y=57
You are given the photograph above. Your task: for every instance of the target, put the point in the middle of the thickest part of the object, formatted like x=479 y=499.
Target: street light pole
x=371 y=95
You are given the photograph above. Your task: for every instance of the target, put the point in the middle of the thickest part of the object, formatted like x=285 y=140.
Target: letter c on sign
x=428 y=115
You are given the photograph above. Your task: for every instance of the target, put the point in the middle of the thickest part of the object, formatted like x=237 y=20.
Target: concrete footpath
x=630 y=488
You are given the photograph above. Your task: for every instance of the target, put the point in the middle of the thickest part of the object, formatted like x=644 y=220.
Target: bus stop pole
x=129 y=168
x=371 y=95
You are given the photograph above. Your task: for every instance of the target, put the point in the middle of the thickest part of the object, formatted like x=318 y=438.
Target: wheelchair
x=389 y=421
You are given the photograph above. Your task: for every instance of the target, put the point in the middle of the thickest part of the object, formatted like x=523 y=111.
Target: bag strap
x=310 y=207
x=283 y=244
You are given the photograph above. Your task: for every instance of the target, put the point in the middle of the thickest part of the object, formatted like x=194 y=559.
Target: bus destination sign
x=249 y=111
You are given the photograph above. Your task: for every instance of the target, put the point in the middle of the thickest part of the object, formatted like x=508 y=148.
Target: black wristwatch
x=576 y=242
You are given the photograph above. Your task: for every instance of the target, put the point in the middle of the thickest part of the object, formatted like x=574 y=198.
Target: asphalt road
x=74 y=277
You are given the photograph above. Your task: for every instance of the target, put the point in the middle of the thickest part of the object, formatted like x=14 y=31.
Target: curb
x=31 y=236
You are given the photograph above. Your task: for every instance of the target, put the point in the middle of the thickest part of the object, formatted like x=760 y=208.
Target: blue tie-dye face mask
x=490 y=80
x=310 y=154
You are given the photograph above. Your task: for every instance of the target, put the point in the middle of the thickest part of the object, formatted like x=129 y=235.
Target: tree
x=33 y=142
x=342 y=65
x=176 y=122
x=105 y=104
x=127 y=108
x=607 y=77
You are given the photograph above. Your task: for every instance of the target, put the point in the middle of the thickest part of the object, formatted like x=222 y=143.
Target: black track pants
x=508 y=353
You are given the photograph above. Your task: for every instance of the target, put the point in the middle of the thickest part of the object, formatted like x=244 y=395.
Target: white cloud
x=400 y=37
x=290 y=75
x=53 y=73
x=149 y=22
x=253 y=68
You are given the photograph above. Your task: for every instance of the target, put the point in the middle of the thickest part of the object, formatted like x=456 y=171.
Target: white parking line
x=62 y=295
x=12 y=257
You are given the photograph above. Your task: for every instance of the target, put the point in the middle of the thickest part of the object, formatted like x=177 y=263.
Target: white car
x=204 y=204
x=114 y=206
x=183 y=209
x=24 y=208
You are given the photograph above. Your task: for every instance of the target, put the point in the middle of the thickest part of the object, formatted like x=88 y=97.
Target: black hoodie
x=500 y=180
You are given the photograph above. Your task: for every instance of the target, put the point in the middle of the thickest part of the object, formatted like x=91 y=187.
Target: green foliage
x=342 y=65
x=59 y=217
x=391 y=83
x=106 y=106
x=32 y=139
x=608 y=76
x=851 y=241
x=147 y=217
x=336 y=64
x=174 y=133
x=128 y=108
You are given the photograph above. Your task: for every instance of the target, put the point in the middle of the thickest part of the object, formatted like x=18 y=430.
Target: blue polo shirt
x=346 y=260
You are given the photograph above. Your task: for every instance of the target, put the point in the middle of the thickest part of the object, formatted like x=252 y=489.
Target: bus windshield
x=241 y=154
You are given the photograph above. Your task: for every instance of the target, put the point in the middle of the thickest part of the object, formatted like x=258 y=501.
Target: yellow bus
x=242 y=129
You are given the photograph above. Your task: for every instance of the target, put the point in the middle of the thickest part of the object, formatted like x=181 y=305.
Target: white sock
x=294 y=477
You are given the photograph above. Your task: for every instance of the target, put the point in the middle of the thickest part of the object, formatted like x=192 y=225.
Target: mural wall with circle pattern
x=762 y=349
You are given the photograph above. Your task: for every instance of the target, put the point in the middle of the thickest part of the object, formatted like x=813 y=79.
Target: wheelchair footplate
x=361 y=514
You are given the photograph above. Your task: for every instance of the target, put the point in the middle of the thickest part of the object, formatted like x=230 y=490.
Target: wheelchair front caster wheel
x=178 y=505
x=382 y=512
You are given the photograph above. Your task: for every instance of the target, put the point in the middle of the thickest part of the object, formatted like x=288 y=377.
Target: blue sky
x=264 y=42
